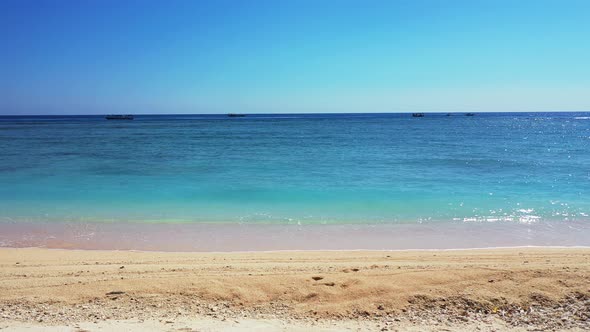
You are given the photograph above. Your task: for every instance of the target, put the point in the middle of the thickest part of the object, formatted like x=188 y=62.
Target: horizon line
x=304 y=113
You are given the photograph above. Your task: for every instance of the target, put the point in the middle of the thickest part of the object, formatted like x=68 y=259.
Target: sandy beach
x=491 y=289
x=294 y=166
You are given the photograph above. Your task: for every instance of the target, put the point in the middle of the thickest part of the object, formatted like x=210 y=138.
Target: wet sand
x=543 y=288
x=229 y=237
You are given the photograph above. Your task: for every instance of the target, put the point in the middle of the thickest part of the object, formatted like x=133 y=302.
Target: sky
x=293 y=56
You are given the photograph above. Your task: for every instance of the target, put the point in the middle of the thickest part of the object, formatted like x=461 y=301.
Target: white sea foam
x=522 y=219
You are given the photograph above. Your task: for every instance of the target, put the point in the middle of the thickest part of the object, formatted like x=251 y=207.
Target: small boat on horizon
x=418 y=115
x=235 y=115
x=119 y=117
x=469 y=114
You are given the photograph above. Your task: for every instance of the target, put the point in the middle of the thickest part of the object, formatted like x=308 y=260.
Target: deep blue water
x=293 y=168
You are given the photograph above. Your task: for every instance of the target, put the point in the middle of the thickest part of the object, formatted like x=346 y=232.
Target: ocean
x=297 y=168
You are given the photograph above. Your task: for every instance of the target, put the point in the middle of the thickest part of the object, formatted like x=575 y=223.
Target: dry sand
x=74 y=290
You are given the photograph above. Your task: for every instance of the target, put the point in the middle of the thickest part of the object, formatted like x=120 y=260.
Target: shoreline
x=276 y=237
x=490 y=289
x=302 y=251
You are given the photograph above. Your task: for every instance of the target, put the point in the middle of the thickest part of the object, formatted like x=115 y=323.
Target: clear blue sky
x=109 y=56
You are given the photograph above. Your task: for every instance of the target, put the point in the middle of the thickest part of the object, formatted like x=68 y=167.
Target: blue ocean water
x=293 y=168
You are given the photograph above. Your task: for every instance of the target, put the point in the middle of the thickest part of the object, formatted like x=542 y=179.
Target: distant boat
x=234 y=115
x=469 y=114
x=418 y=115
x=119 y=117
x=448 y=114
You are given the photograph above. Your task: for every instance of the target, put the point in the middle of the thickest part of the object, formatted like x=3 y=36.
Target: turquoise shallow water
x=338 y=168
